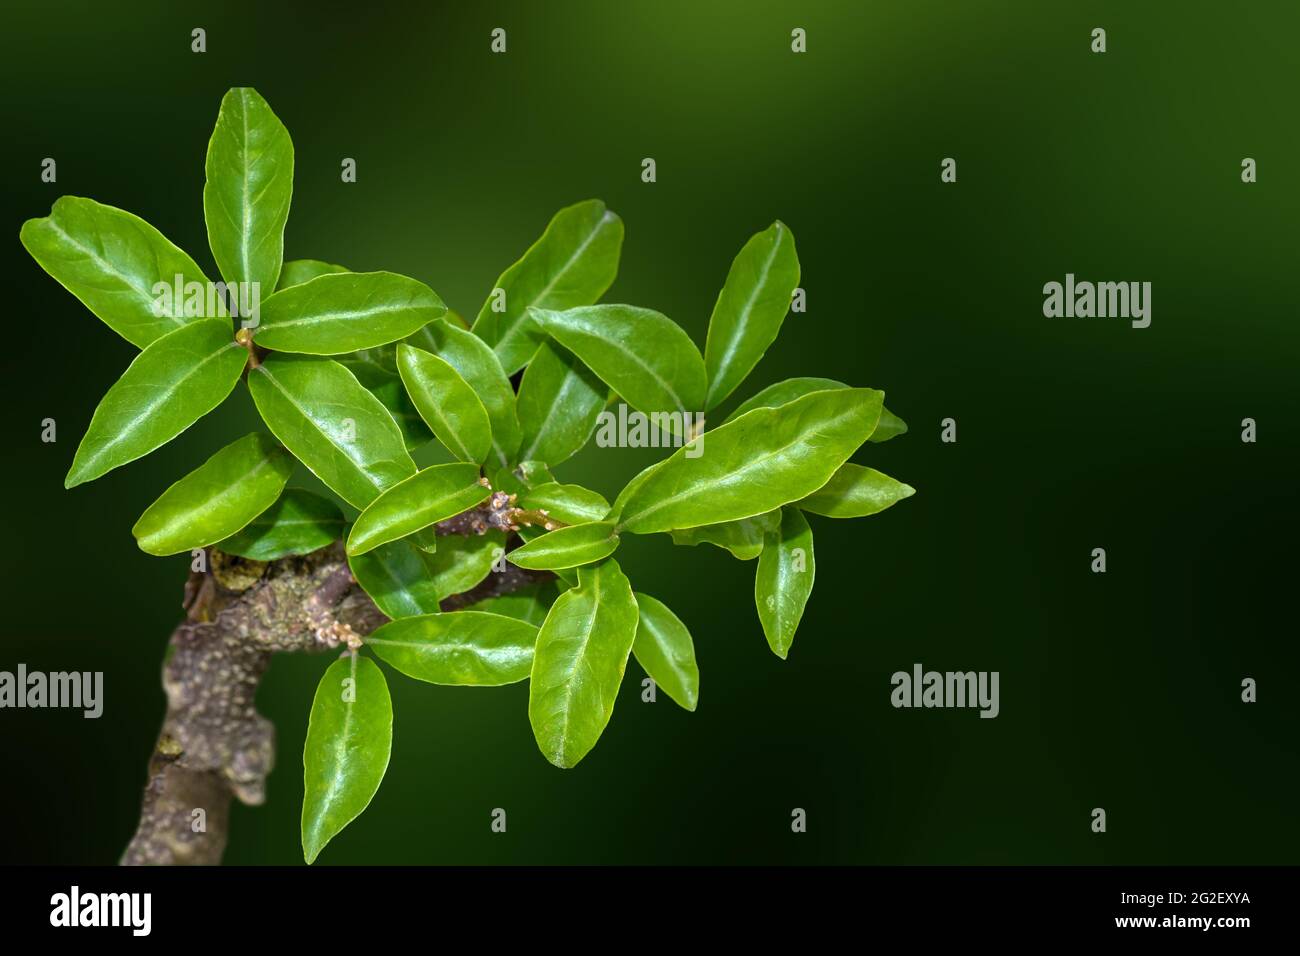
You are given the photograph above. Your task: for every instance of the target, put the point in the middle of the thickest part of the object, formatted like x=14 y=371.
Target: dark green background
x=1118 y=690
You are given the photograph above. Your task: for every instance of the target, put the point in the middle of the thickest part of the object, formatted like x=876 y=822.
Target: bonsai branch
x=214 y=745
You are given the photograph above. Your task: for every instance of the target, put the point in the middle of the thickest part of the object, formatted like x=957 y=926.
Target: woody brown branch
x=214 y=746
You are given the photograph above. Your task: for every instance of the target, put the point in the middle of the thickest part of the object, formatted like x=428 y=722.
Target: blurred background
x=1118 y=690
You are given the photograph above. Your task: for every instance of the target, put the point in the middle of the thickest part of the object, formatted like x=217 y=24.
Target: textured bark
x=214 y=746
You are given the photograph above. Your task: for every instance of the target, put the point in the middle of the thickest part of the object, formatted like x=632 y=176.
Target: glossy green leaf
x=784 y=579
x=477 y=364
x=527 y=604
x=572 y=264
x=114 y=263
x=567 y=547
x=217 y=499
x=399 y=578
x=567 y=577
x=322 y=414
x=446 y=403
x=522 y=477
x=758 y=462
x=462 y=647
x=558 y=403
x=743 y=538
x=425 y=498
x=641 y=354
x=631 y=488
x=343 y=312
x=297 y=271
x=248 y=189
x=750 y=309
x=855 y=492
x=381 y=357
x=173 y=383
x=784 y=392
x=300 y=522
x=463 y=561
x=572 y=504
x=665 y=651
x=890 y=426
x=388 y=388
x=578 y=663
x=349 y=740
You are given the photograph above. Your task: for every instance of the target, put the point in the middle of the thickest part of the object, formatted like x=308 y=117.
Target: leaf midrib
x=128 y=430
x=571 y=377
x=735 y=475
x=733 y=340
x=514 y=330
x=326 y=317
x=109 y=268
x=248 y=473
x=340 y=742
x=636 y=360
x=579 y=658
x=372 y=481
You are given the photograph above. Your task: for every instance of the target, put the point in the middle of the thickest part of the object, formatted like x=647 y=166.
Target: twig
x=214 y=745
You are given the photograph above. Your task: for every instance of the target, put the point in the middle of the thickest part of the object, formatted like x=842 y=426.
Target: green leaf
x=784 y=579
x=572 y=264
x=890 y=426
x=463 y=561
x=524 y=476
x=567 y=547
x=665 y=651
x=298 y=271
x=743 y=538
x=750 y=309
x=387 y=387
x=474 y=360
x=855 y=492
x=113 y=262
x=333 y=314
x=249 y=185
x=349 y=740
x=631 y=488
x=322 y=414
x=572 y=504
x=463 y=647
x=578 y=663
x=300 y=522
x=761 y=461
x=399 y=579
x=425 y=498
x=558 y=403
x=527 y=604
x=217 y=499
x=173 y=383
x=446 y=403
x=641 y=354
x=566 y=576
x=782 y=393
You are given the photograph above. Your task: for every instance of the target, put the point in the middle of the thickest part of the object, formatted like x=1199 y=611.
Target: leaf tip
x=309 y=853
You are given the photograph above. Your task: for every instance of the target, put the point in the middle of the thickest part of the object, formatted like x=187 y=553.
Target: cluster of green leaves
x=351 y=372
